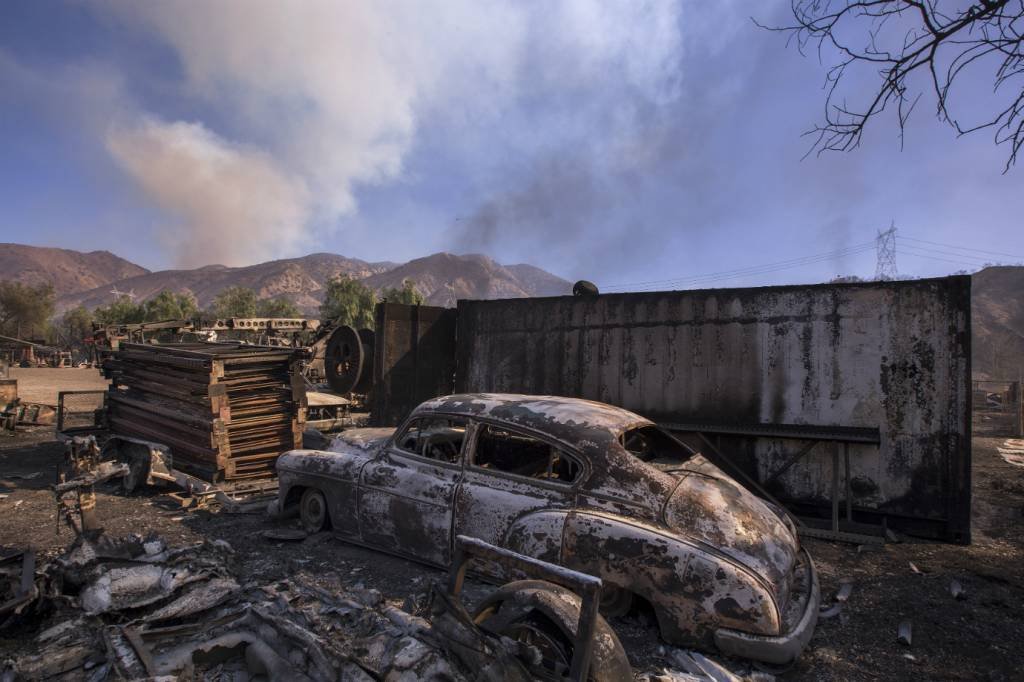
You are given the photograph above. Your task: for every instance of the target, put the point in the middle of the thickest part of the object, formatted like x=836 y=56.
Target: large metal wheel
x=344 y=360
x=313 y=511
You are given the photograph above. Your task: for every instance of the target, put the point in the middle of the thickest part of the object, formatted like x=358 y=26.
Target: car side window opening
x=501 y=449
x=651 y=444
x=437 y=438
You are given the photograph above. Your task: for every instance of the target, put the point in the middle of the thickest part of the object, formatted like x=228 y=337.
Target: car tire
x=615 y=601
x=551 y=630
x=313 y=511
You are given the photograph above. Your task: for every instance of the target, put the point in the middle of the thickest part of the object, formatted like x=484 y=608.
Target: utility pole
x=885 y=246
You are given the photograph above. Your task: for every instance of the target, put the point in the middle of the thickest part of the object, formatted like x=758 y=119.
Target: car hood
x=361 y=439
x=711 y=508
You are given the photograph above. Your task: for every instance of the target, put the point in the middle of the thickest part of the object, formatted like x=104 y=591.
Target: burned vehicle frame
x=576 y=483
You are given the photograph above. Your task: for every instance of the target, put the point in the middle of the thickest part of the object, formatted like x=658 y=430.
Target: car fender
x=693 y=589
x=336 y=474
x=538 y=534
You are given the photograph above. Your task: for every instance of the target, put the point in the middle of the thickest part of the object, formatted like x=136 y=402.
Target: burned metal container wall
x=888 y=356
x=413 y=359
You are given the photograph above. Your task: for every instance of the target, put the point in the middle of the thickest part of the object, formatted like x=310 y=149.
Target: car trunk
x=713 y=508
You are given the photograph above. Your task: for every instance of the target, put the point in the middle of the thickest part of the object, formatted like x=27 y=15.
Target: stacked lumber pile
x=225 y=410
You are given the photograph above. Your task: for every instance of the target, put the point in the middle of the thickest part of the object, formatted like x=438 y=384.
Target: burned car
x=582 y=484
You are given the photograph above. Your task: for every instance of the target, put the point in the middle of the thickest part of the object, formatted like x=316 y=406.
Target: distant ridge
x=68 y=271
x=442 y=277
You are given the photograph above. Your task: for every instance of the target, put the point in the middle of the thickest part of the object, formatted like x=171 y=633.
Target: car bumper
x=779 y=649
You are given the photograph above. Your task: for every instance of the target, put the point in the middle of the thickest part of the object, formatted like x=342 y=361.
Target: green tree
x=123 y=310
x=235 y=302
x=25 y=310
x=277 y=307
x=74 y=326
x=407 y=295
x=168 y=305
x=348 y=301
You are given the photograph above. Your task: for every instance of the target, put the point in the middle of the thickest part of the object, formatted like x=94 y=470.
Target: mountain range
x=88 y=279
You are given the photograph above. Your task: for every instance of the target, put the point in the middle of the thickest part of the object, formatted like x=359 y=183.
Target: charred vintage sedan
x=582 y=484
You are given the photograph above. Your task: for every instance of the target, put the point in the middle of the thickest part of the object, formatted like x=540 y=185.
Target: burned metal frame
x=25 y=590
x=717 y=567
x=62 y=412
x=859 y=533
x=588 y=587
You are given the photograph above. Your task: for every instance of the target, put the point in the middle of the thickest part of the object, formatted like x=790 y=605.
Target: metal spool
x=348 y=360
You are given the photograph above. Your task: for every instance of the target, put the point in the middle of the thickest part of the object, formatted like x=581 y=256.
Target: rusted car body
x=582 y=484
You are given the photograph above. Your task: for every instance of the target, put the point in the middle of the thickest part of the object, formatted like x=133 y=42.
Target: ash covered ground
x=976 y=637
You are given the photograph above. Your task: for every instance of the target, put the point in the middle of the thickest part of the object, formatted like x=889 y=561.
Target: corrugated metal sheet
x=891 y=356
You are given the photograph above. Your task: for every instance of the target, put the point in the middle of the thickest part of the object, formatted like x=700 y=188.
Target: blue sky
x=625 y=143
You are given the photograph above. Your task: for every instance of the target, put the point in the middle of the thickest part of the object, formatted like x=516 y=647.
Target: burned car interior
x=439 y=439
x=652 y=445
x=502 y=449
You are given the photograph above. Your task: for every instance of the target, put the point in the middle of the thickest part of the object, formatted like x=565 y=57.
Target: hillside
x=997 y=311
x=88 y=278
x=443 y=278
x=299 y=279
x=68 y=271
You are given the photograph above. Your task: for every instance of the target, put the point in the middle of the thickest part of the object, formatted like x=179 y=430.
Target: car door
x=406 y=493
x=510 y=473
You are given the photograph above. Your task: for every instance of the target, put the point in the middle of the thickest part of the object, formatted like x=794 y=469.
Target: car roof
x=571 y=420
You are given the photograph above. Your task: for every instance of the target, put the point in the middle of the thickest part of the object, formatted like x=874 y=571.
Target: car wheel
x=555 y=646
x=615 y=601
x=313 y=511
x=550 y=632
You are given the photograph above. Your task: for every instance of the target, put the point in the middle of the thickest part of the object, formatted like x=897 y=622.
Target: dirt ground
x=41 y=384
x=976 y=638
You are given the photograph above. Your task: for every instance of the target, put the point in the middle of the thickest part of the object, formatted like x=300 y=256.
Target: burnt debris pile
x=133 y=608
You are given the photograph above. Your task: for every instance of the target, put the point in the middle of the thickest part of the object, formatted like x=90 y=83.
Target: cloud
x=232 y=201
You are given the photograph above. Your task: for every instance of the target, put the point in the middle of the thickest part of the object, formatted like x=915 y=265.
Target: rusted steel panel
x=413 y=361
x=892 y=356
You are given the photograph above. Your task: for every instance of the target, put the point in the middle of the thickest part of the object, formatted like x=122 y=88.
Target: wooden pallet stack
x=227 y=411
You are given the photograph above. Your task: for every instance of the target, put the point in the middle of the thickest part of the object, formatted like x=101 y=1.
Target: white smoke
x=317 y=98
x=233 y=201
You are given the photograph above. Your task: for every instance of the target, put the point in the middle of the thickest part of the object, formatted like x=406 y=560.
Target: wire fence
x=79 y=410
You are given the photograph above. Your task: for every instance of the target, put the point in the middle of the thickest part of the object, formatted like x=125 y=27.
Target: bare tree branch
x=914 y=46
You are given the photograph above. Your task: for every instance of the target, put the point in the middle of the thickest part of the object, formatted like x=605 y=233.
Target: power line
x=961 y=248
x=941 y=252
x=957 y=259
x=750 y=270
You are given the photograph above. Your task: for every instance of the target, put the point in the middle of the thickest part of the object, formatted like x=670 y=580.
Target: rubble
x=133 y=607
x=903 y=633
x=845 y=589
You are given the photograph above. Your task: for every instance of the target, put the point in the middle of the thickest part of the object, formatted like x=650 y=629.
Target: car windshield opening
x=435 y=438
x=651 y=444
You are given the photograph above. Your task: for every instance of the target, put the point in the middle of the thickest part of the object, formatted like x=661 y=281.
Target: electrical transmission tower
x=885 y=245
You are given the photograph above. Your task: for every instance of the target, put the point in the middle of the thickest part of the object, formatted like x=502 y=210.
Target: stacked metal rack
x=226 y=411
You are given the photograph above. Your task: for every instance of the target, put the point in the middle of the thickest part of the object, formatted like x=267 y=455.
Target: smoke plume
x=232 y=201
x=320 y=98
